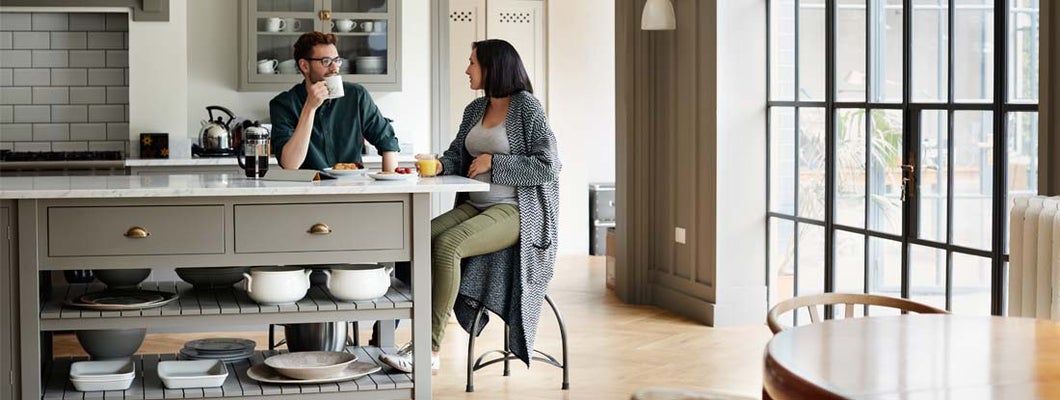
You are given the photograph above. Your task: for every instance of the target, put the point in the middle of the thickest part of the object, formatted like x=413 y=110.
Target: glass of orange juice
x=427 y=164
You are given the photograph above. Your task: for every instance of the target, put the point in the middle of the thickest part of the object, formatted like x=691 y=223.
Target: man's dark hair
x=502 y=68
x=303 y=48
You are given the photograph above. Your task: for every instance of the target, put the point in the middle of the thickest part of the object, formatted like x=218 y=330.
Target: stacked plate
x=223 y=349
x=122 y=299
x=311 y=367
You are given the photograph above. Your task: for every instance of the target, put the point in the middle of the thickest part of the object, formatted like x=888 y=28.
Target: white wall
x=211 y=76
x=581 y=68
x=158 y=71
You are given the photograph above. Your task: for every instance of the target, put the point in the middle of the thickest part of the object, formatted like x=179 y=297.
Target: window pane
x=811 y=163
x=781 y=263
x=930 y=46
x=973 y=49
x=850 y=167
x=850 y=50
x=849 y=262
x=972 y=178
x=885 y=174
x=927 y=275
x=782 y=160
x=1022 y=131
x=1023 y=51
x=782 y=49
x=811 y=49
x=885 y=271
x=934 y=175
x=885 y=73
x=971 y=284
x=810 y=279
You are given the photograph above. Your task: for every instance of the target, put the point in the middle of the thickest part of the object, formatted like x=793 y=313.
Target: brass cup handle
x=137 y=232
x=319 y=229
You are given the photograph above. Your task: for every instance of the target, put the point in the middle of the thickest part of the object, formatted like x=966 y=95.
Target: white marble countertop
x=217 y=184
x=207 y=161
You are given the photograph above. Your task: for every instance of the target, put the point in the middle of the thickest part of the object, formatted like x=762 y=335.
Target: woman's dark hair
x=502 y=68
x=303 y=48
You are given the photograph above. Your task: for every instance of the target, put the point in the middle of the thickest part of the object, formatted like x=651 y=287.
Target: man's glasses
x=328 y=62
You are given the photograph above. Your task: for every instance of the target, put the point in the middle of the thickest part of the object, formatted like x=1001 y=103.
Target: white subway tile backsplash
x=88 y=131
x=69 y=77
x=107 y=146
x=106 y=113
x=118 y=22
x=15 y=58
x=51 y=21
x=117 y=58
x=87 y=22
x=31 y=40
x=118 y=131
x=31 y=77
x=106 y=77
x=5 y=40
x=50 y=132
x=69 y=40
x=106 y=40
x=69 y=146
x=7 y=115
x=88 y=58
x=16 y=132
x=7 y=146
x=33 y=146
x=51 y=95
x=88 y=95
x=33 y=114
x=51 y=59
x=16 y=21
x=69 y=113
x=118 y=95
x=6 y=76
x=16 y=95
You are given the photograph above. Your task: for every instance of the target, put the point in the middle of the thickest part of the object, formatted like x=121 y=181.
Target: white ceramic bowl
x=311 y=364
x=277 y=285
x=358 y=282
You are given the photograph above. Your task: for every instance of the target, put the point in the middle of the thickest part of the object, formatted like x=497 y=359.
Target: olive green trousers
x=464 y=232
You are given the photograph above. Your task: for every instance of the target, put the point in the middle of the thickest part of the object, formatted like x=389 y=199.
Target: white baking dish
x=183 y=374
x=110 y=370
x=99 y=385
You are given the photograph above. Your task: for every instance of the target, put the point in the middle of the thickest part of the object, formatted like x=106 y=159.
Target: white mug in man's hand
x=334 y=84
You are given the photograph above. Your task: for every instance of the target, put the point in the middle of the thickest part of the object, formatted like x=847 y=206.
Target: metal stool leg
x=507 y=351
x=471 y=351
x=563 y=339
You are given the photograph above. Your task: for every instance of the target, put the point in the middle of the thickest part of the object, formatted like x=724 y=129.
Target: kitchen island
x=213 y=220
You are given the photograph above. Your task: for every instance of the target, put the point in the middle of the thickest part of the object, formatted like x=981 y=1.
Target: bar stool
x=506 y=355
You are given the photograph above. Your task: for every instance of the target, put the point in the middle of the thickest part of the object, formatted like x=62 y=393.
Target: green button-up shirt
x=339 y=129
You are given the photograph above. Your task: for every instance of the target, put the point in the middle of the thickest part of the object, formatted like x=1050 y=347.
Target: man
x=313 y=132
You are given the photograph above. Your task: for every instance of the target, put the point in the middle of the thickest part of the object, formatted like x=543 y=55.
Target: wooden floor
x=614 y=348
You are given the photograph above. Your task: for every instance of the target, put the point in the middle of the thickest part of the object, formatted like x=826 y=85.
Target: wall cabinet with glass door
x=368 y=31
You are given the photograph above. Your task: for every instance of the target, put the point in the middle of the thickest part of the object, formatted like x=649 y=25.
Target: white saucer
x=347 y=172
x=393 y=177
x=264 y=373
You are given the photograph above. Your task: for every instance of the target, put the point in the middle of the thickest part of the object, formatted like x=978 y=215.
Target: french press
x=253 y=154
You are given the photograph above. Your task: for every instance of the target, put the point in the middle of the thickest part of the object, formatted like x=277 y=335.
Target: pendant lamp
x=658 y=15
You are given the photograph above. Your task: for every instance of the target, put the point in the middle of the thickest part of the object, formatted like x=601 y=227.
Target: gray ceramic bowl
x=111 y=343
x=121 y=278
x=212 y=278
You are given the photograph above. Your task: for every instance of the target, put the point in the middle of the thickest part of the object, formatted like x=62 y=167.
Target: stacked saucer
x=224 y=349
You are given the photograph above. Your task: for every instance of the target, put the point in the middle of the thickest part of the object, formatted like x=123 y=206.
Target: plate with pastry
x=346 y=169
x=393 y=176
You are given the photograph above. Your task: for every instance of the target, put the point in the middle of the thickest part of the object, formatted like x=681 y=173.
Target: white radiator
x=1034 y=258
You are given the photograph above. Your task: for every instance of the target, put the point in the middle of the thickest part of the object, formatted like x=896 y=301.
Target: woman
x=496 y=248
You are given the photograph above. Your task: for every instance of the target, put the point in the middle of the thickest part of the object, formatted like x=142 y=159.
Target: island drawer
x=135 y=230
x=271 y=228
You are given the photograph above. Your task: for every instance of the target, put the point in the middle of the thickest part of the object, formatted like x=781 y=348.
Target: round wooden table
x=916 y=356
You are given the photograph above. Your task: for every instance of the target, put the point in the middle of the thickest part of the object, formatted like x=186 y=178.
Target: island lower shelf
x=384 y=384
x=220 y=306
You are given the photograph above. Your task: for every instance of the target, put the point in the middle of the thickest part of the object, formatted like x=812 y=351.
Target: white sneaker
x=402 y=360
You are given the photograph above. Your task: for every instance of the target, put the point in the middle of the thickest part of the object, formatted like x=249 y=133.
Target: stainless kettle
x=215 y=135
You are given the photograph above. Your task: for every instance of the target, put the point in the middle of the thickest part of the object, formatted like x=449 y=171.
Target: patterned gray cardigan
x=512 y=282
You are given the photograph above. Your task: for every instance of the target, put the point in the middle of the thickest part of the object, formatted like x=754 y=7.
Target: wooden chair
x=848 y=299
